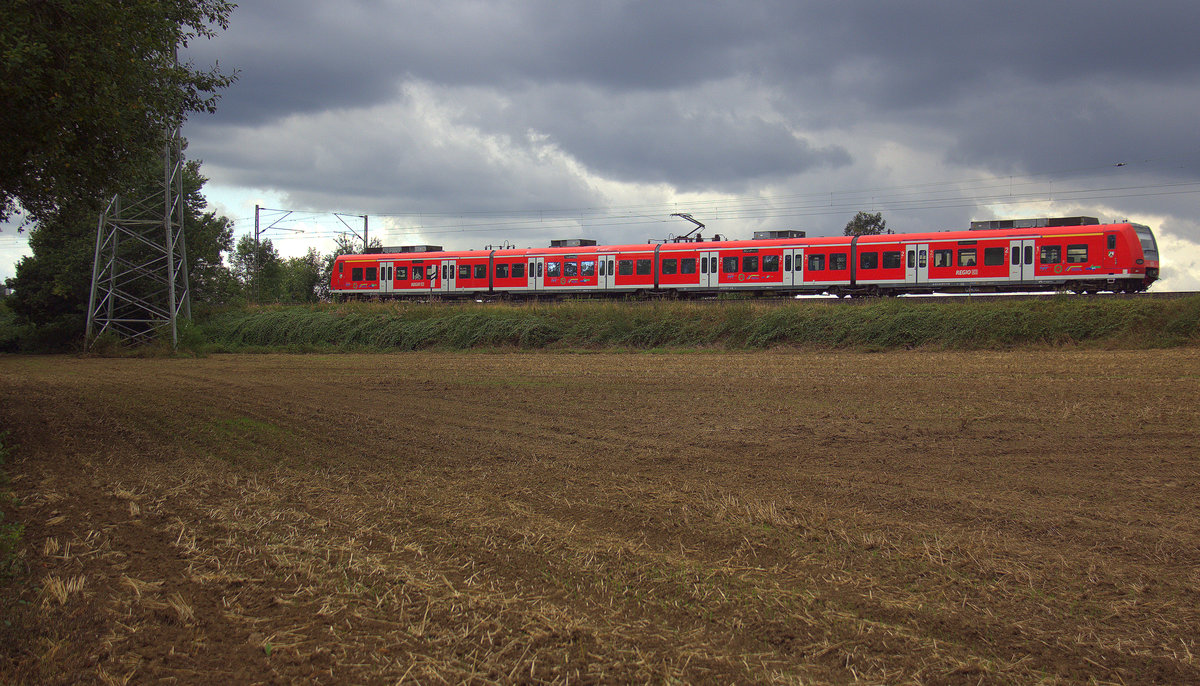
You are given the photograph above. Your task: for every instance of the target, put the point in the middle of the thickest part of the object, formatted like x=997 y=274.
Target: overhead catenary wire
x=1033 y=188
x=466 y=223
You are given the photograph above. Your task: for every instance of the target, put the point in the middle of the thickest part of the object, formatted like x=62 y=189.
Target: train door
x=1020 y=260
x=708 y=269
x=1110 y=253
x=793 y=266
x=446 y=285
x=386 y=277
x=916 y=263
x=537 y=273
x=604 y=271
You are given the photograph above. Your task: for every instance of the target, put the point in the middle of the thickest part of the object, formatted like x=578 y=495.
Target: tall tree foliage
x=302 y=277
x=258 y=268
x=88 y=89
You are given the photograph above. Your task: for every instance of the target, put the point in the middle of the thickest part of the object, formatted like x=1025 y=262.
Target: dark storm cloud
x=320 y=55
x=913 y=54
x=1017 y=87
x=695 y=145
x=916 y=52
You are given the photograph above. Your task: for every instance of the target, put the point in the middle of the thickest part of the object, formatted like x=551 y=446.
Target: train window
x=942 y=258
x=1146 y=239
x=1029 y=254
x=539 y=269
x=729 y=265
x=703 y=265
x=922 y=259
x=1016 y=256
x=342 y=265
x=993 y=256
x=553 y=269
x=1077 y=254
x=372 y=274
x=570 y=269
x=502 y=271
x=770 y=263
x=518 y=270
x=587 y=268
x=356 y=274
x=966 y=257
x=868 y=260
x=816 y=263
x=687 y=265
x=402 y=273
x=1050 y=254
x=481 y=271
x=643 y=267
x=891 y=260
x=670 y=266
x=418 y=272
x=912 y=258
x=464 y=271
x=625 y=267
x=610 y=268
x=750 y=263
x=837 y=260
x=1112 y=241
x=787 y=263
x=712 y=265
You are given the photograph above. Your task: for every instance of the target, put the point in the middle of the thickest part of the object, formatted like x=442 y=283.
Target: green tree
x=89 y=89
x=301 y=276
x=866 y=224
x=258 y=268
x=51 y=286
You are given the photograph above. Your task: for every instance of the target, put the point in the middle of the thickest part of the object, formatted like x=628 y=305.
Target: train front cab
x=1112 y=257
x=1147 y=264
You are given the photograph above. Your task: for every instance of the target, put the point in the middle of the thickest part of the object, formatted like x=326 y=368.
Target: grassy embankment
x=881 y=325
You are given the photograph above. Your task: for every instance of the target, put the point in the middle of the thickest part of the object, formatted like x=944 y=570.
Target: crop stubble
x=766 y=517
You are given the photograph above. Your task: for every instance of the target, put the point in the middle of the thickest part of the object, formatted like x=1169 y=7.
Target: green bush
x=734 y=324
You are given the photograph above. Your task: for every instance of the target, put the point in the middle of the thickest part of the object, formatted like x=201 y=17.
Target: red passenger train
x=1077 y=254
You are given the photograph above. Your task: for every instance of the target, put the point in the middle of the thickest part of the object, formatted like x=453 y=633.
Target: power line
x=900 y=203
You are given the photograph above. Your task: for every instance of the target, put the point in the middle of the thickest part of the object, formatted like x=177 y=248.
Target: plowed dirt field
x=910 y=517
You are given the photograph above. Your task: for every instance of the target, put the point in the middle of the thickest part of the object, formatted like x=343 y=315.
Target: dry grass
x=772 y=518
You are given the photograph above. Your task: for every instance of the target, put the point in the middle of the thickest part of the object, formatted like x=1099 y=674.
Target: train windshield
x=1149 y=247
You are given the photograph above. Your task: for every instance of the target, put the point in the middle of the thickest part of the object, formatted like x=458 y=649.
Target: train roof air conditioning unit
x=773 y=235
x=1035 y=223
x=413 y=248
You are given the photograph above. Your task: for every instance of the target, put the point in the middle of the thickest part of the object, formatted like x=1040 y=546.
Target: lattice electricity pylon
x=140 y=276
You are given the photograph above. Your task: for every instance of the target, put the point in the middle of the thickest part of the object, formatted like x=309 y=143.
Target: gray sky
x=469 y=123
